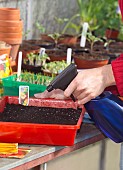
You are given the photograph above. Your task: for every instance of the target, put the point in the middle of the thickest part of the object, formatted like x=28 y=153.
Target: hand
x=54 y=94
x=90 y=83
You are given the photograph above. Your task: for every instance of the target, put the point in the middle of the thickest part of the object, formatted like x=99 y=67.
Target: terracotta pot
x=14 y=57
x=6 y=23
x=9 y=14
x=67 y=39
x=27 y=48
x=87 y=63
x=40 y=43
x=11 y=35
x=112 y=34
x=10 y=29
x=45 y=37
x=14 y=51
x=10 y=11
x=56 y=55
x=64 y=47
x=5 y=50
x=12 y=40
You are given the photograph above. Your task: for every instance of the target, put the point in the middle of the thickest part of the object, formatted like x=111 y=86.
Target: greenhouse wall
x=42 y=11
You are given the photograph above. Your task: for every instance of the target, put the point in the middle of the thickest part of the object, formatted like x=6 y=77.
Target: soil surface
x=40 y=115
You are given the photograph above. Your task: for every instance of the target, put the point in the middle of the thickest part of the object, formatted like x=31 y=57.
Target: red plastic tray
x=28 y=133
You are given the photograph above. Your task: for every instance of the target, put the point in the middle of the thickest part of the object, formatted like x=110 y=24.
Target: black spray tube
x=62 y=80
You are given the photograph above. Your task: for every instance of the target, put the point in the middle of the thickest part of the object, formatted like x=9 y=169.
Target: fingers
x=70 y=89
x=42 y=95
x=37 y=95
x=54 y=94
x=84 y=100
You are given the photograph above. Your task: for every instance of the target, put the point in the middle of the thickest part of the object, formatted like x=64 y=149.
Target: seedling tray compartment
x=31 y=133
x=11 y=86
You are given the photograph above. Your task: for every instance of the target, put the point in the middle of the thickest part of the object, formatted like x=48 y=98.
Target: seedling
x=35 y=78
x=55 y=67
x=40 y=27
x=92 y=39
x=55 y=37
x=36 y=59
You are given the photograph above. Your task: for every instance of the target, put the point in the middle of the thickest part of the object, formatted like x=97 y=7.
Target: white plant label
x=69 y=54
x=19 y=65
x=83 y=35
x=41 y=52
x=24 y=95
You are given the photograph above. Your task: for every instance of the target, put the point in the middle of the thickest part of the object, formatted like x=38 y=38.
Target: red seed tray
x=30 y=133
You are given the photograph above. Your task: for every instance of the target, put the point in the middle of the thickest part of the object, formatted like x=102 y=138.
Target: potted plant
x=55 y=36
x=88 y=58
x=65 y=37
x=34 y=61
x=40 y=43
x=56 y=54
x=90 y=11
x=54 y=68
x=112 y=31
x=44 y=36
x=113 y=21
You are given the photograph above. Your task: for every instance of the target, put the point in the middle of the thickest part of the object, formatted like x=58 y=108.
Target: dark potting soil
x=40 y=115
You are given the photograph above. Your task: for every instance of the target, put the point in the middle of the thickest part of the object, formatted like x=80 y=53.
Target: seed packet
x=5 y=69
x=24 y=95
x=20 y=154
x=8 y=148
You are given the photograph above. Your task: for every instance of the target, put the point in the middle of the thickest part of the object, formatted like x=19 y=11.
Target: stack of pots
x=11 y=29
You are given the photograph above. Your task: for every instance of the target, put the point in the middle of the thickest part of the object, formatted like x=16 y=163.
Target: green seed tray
x=11 y=86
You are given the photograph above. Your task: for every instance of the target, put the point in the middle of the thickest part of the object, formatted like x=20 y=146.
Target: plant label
x=83 y=35
x=24 y=95
x=19 y=65
x=42 y=52
x=69 y=54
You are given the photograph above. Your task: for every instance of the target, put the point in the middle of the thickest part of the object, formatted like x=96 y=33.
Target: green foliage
x=55 y=67
x=39 y=60
x=40 y=27
x=107 y=42
x=60 y=22
x=55 y=37
x=110 y=17
x=35 y=78
x=120 y=36
x=113 y=18
x=92 y=39
x=88 y=11
x=99 y=14
x=25 y=34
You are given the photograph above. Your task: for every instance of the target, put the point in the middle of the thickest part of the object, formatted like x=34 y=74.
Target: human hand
x=54 y=94
x=90 y=83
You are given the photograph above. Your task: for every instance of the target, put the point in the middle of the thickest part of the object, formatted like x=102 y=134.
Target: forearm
x=108 y=75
